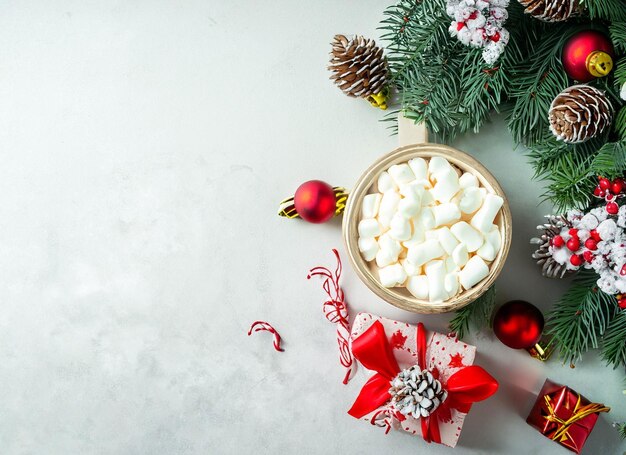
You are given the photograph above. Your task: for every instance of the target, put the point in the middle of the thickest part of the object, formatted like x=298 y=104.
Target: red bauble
x=315 y=201
x=518 y=324
x=587 y=55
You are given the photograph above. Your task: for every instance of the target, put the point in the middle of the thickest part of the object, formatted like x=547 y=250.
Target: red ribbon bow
x=466 y=386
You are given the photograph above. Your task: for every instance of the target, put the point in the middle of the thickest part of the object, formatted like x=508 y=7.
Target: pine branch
x=535 y=82
x=610 y=10
x=620 y=123
x=611 y=160
x=614 y=342
x=617 y=31
x=621 y=429
x=580 y=318
x=477 y=314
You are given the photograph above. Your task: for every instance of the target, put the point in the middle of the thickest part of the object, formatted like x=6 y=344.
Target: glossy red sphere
x=577 y=49
x=518 y=324
x=315 y=201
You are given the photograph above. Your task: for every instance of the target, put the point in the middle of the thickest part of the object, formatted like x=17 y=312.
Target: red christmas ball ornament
x=587 y=55
x=315 y=201
x=518 y=324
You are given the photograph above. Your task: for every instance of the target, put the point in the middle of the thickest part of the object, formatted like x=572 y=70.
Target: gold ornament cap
x=599 y=63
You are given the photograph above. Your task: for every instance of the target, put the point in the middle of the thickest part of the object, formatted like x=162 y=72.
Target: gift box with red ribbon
x=564 y=415
x=424 y=381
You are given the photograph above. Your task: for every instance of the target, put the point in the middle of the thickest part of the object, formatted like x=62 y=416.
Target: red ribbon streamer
x=336 y=311
x=468 y=385
x=259 y=326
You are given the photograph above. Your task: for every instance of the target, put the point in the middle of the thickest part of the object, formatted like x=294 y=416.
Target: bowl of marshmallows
x=427 y=228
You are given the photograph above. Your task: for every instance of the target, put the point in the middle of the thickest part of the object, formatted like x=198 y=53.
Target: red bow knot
x=468 y=385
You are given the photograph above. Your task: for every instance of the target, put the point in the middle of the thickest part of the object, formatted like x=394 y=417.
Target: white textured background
x=144 y=148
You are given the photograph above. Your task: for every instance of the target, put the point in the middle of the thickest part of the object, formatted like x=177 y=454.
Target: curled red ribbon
x=468 y=385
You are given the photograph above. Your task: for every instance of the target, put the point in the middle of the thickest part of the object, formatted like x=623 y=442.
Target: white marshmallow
x=436 y=281
x=468 y=235
x=385 y=258
x=370 y=204
x=424 y=252
x=410 y=269
x=438 y=164
x=386 y=242
x=451 y=284
x=471 y=199
x=468 y=180
x=431 y=234
x=417 y=237
x=447 y=185
x=400 y=227
x=450 y=265
x=418 y=286
x=368 y=246
x=386 y=183
x=409 y=206
x=446 y=213
x=412 y=189
x=474 y=271
x=419 y=168
x=389 y=204
x=392 y=275
x=460 y=256
x=448 y=241
x=369 y=228
x=487 y=213
x=401 y=173
x=487 y=252
x=493 y=237
x=426 y=218
x=427 y=198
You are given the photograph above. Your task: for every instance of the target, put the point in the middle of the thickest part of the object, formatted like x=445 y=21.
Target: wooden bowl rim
x=464 y=162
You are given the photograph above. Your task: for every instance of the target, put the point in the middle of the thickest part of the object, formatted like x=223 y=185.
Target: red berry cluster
x=610 y=191
x=621 y=301
x=573 y=244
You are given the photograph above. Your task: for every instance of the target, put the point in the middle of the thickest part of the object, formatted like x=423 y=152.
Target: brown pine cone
x=550 y=10
x=579 y=113
x=359 y=67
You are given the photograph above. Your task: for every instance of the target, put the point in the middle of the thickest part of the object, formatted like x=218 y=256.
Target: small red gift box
x=564 y=415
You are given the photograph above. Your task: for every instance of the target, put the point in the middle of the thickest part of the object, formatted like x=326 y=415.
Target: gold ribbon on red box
x=564 y=415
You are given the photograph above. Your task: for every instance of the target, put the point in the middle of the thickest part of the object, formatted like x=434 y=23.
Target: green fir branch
x=610 y=10
x=614 y=341
x=580 y=318
x=475 y=315
x=617 y=30
x=620 y=123
x=621 y=429
x=610 y=161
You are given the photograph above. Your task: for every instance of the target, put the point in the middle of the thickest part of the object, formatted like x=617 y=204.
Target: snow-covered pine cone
x=579 y=113
x=359 y=66
x=549 y=267
x=416 y=393
x=550 y=10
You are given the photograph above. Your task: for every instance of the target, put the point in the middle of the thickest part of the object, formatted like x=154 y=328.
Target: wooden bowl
x=400 y=297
